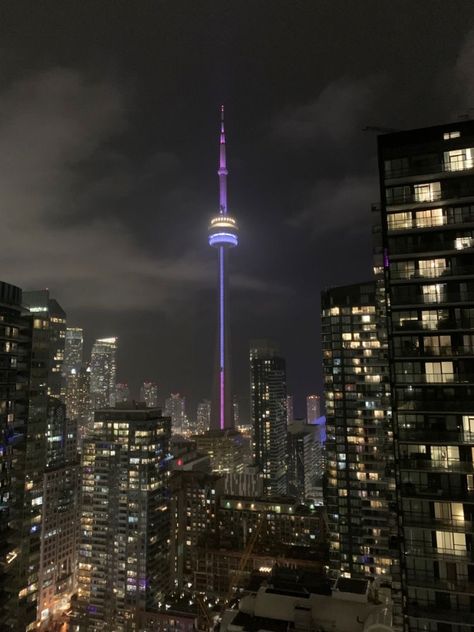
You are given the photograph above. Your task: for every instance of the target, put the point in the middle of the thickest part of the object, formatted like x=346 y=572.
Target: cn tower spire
x=223 y=235
x=222 y=172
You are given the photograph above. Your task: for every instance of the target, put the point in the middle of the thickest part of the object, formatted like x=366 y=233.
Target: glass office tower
x=427 y=191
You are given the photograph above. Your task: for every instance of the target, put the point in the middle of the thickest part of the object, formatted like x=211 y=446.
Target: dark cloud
x=108 y=151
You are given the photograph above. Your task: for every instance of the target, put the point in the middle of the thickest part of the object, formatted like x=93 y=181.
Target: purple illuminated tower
x=223 y=235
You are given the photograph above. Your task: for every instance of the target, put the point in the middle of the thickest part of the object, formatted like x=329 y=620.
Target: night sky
x=108 y=159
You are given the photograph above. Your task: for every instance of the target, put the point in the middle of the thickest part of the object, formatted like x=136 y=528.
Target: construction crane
x=205 y=618
x=236 y=576
x=233 y=581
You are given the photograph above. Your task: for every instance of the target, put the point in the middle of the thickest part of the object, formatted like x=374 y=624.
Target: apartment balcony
x=402 y=276
x=433 y=613
x=447 y=555
x=435 y=493
x=428 y=522
x=429 y=436
x=440 y=168
x=457 y=586
x=439 y=406
x=447 y=351
x=429 y=465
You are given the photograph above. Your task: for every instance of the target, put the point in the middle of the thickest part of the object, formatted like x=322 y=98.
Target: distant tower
x=149 y=394
x=73 y=350
x=175 y=406
x=103 y=372
x=313 y=408
x=223 y=234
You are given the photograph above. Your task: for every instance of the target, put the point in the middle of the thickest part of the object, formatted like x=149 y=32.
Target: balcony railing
x=440 y=465
x=405 y=275
x=446 y=524
x=442 y=166
x=431 y=436
x=459 y=585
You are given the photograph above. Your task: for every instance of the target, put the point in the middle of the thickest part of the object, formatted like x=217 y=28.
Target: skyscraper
x=122 y=393
x=175 y=408
x=60 y=516
x=203 y=416
x=40 y=303
x=313 y=408
x=149 y=394
x=123 y=555
x=427 y=192
x=360 y=495
x=290 y=413
x=223 y=235
x=269 y=415
x=46 y=324
x=78 y=400
x=73 y=350
x=14 y=379
x=103 y=371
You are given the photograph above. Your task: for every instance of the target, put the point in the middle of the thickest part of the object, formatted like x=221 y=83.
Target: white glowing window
x=439 y=372
x=463 y=242
x=434 y=293
x=459 y=159
x=431 y=267
x=431 y=217
x=448 y=135
x=399 y=221
x=427 y=192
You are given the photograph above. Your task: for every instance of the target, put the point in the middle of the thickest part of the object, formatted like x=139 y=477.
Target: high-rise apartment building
x=14 y=380
x=78 y=399
x=305 y=462
x=60 y=518
x=203 y=416
x=360 y=495
x=73 y=350
x=313 y=408
x=269 y=415
x=427 y=191
x=149 y=394
x=41 y=304
x=103 y=372
x=122 y=393
x=123 y=556
x=175 y=406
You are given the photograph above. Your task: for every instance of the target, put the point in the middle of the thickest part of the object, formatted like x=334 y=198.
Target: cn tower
x=223 y=235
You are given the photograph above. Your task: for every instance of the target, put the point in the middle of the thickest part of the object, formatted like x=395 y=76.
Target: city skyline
x=124 y=176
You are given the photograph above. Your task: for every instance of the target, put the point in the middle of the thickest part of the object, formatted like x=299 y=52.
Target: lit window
x=459 y=159
x=427 y=192
x=449 y=135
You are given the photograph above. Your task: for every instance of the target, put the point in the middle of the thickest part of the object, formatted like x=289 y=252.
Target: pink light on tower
x=223 y=235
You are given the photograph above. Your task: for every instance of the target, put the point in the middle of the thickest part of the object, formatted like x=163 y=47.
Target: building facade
x=149 y=394
x=313 y=408
x=123 y=554
x=73 y=350
x=175 y=407
x=14 y=383
x=103 y=368
x=427 y=192
x=269 y=416
x=360 y=493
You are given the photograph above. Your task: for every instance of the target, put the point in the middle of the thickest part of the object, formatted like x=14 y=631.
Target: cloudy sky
x=108 y=156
